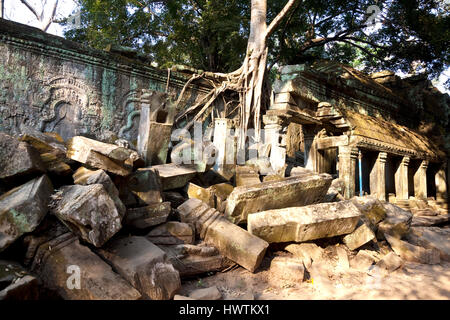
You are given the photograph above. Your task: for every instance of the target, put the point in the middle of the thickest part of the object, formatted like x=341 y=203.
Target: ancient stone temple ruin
x=371 y=131
x=350 y=178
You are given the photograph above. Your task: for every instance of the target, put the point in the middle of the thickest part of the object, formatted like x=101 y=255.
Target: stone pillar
x=420 y=181
x=347 y=167
x=310 y=150
x=275 y=135
x=225 y=154
x=401 y=180
x=441 y=185
x=378 y=177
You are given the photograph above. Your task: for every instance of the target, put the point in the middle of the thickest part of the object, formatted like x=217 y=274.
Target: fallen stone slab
x=396 y=223
x=362 y=235
x=191 y=260
x=232 y=241
x=389 y=263
x=18 y=159
x=144 y=265
x=175 y=176
x=413 y=253
x=430 y=221
x=288 y=269
x=58 y=264
x=246 y=176
x=172 y=232
x=16 y=283
x=306 y=223
x=109 y=157
x=431 y=238
x=373 y=209
x=54 y=165
x=221 y=193
x=84 y=176
x=211 y=293
x=362 y=261
x=307 y=252
x=88 y=211
x=145 y=186
x=204 y=194
x=23 y=208
x=42 y=142
x=148 y=216
x=290 y=192
x=427 y=212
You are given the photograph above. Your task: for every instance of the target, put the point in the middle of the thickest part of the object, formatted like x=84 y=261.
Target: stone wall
x=57 y=85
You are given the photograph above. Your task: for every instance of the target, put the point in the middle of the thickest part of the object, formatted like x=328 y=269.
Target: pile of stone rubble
x=94 y=210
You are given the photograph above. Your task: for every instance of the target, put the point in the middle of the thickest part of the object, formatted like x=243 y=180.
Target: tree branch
x=50 y=19
x=275 y=22
x=31 y=9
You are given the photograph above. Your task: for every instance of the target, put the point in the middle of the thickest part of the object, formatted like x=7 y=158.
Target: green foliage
x=212 y=34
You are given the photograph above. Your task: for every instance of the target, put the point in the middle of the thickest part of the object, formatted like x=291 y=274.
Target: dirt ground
x=412 y=281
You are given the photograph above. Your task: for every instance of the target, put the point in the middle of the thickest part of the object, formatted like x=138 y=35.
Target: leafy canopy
x=411 y=35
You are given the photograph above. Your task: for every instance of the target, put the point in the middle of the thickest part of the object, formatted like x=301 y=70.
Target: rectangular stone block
x=289 y=192
x=59 y=262
x=88 y=211
x=148 y=216
x=175 y=176
x=232 y=241
x=18 y=159
x=301 y=224
x=144 y=265
x=431 y=238
x=362 y=235
x=23 y=208
x=413 y=253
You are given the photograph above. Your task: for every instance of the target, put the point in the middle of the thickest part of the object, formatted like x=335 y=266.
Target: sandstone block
x=148 y=216
x=396 y=223
x=413 y=253
x=362 y=261
x=172 y=232
x=23 y=208
x=307 y=252
x=144 y=265
x=287 y=268
x=290 y=192
x=431 y=238
x=232 y=241
x=88 y=211
x=390 y=262
x=362 y=235
x=18 y=159
x=175 y=176
x=306 y=223
x=56 y=261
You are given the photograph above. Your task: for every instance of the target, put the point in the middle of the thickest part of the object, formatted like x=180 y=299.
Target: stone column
x=441 y=185
x=401 y=180
x=420 y=181
x=347 y=167
x=378 y=177
x=310 y=150
x=274 y=134
x=225 y=153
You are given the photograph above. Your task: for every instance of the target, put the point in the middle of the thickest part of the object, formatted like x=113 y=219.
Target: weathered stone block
x=362 y=261
x=362 y=235
x=413 y=253
x=307 y=252
x=42 y=142
x=56 y=261
x=175 y=176
x=144 y=265
x=301 y=224
x=109 y=157
x=397 y=222
x=23 y=208
x=287 y=268
x=88 y=211
x=192 y=260
x=85 y=176
x=17 y=283
x=232 y=241
x=431 y=238
x=246 y=176
x=144 y=185
x=172 y=232
x=204 y=194
x=372 y=209
x=18 y=159
x=290 y=192
x=211 y=293
x=148 y=216
x=389 y=262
